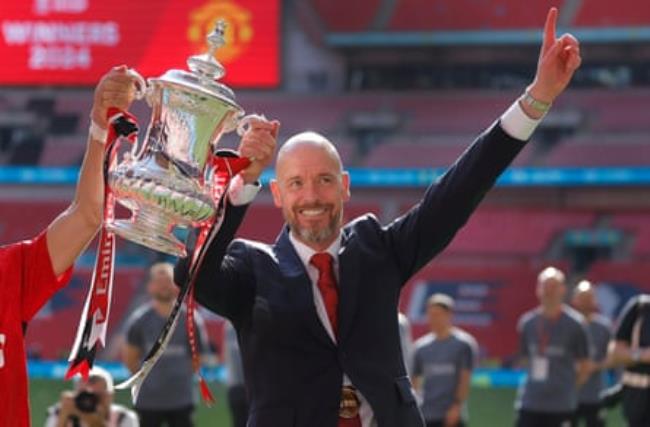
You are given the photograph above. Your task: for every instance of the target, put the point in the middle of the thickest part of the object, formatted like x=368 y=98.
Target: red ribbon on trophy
x=93 y=325
x=226 y=164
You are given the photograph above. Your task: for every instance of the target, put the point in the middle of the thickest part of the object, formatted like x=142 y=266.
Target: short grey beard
x=321 y=236
x=316 y=236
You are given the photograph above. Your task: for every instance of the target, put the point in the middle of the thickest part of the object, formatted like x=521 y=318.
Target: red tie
x=327 y=285
x=329 y=292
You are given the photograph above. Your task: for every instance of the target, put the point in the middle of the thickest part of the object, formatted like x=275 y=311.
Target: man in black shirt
x=631 y=349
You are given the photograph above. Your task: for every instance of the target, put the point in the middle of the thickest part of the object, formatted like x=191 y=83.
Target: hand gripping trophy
x=174 y=177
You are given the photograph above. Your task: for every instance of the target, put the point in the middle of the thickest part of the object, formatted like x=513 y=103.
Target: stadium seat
x=340 y=16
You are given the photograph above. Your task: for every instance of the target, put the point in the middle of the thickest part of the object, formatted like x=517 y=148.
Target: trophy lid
x=205 y=70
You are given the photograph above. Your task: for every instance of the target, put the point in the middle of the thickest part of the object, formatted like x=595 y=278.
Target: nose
x=309 y=193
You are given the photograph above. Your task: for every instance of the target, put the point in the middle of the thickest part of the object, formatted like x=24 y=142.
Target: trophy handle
x=142 y=90
x=243 y=123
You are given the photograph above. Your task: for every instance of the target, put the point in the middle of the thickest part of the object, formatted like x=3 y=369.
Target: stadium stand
x=414 y=15
x=600 y=13
x=23 y=218
x=622 y=271
x=62 y=151
x=340 y=16
x=638 y=225
x=461 y=15
x=433 y=125
x=593 y=150
x=515 y=232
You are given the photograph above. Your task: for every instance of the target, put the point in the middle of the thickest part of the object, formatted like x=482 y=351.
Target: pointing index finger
x=550 y=29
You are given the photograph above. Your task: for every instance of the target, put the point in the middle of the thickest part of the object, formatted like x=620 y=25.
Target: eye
x=326 y=179
x=295 y=184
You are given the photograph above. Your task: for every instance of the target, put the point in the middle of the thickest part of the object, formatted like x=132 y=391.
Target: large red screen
x=73 y=42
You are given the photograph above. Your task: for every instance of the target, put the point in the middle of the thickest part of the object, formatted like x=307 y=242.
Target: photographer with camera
x=91 y=405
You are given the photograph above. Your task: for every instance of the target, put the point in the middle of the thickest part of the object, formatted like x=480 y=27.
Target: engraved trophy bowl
x=164 y=180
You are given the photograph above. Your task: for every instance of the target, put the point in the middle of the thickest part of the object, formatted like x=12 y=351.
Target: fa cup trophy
x=174 y=177
x=165 y=179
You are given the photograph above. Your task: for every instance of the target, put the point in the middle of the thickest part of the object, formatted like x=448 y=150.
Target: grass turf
x=487 y=407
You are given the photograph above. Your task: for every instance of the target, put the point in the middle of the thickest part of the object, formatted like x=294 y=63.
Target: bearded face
x=311 y=189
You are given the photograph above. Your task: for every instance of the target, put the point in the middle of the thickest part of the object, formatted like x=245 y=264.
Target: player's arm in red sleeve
x=49 y=258
x=71 y=232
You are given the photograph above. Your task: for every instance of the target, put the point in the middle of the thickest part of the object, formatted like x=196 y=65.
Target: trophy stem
x=151 y=228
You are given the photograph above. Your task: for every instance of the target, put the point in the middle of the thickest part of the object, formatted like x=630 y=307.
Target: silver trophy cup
x=165 y=180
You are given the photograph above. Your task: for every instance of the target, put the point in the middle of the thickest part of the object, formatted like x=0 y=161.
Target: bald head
x=551 y=287
x=584 y=298
x=303 y=140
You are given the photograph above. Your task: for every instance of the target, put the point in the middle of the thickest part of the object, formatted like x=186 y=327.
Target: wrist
x=249 y=178
x=532 y=106
x=97 y=132
x=99 y=117
x=540 y=94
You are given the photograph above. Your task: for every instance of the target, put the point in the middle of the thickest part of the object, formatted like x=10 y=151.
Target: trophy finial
x=206 y=66
x=216 y=39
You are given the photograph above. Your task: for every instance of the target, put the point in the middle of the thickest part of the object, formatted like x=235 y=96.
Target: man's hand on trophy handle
x=246 y=123
x=258 y=144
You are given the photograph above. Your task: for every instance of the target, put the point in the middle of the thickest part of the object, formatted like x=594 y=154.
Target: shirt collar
x=305 y=252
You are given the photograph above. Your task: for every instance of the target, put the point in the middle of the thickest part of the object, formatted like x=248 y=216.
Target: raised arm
x=429 y=227
x=69 y=234
x=217 y=276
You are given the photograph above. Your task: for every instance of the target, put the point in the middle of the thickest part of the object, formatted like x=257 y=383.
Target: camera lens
x=86 y=401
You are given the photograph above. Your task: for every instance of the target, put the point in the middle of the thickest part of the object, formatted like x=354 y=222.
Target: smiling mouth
x=312 y=212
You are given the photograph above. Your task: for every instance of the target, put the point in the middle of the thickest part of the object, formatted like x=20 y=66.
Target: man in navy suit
x=316 y=312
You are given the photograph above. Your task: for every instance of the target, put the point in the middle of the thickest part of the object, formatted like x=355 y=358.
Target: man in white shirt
x=91 y=405
x=316 y=312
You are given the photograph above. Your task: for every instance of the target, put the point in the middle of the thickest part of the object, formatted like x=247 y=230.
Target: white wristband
x=97 y=132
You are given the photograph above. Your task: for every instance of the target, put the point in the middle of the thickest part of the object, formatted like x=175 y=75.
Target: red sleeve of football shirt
x=39 y=282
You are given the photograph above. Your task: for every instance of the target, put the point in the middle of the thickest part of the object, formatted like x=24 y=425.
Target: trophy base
x=151 y=231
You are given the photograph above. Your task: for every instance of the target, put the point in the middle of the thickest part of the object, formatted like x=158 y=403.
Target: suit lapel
x=299 y=286
x=348 y=284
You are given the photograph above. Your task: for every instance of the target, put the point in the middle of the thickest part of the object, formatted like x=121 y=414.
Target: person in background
x=91 y=405
x=33 y=270
x=631 y=349
x=555 y=345
x=166 y=396
x=443 y=363
x=590 y=409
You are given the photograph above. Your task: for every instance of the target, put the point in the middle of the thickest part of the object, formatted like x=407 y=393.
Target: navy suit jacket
x=293 y=370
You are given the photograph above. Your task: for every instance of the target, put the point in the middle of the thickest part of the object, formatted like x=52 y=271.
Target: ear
x=275 y=191
x=345 y=180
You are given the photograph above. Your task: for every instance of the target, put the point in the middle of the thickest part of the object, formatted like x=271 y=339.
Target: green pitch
x=488 y=407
